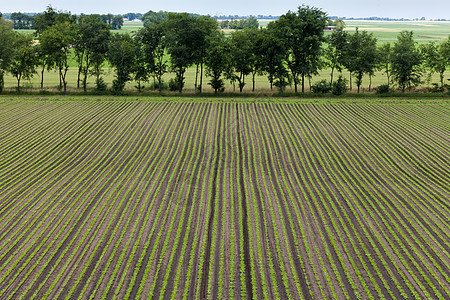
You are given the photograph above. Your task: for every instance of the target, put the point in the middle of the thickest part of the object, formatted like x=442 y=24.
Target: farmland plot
x=213 y=200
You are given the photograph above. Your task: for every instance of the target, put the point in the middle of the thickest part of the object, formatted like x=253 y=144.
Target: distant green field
x=387 y=31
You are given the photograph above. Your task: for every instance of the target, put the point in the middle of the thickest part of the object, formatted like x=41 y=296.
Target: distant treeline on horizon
x=138 y=16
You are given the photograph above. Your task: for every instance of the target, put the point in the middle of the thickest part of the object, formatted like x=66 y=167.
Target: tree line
x=239 y=23
x=34 y=21
x=290 y=52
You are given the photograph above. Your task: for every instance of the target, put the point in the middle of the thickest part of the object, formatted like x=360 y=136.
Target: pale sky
x=344 y=8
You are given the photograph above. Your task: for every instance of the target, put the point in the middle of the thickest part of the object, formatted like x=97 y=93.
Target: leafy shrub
x=217 y=84
x=100 y=85
x=383 y=89
x=339 y=87
x=322 y=86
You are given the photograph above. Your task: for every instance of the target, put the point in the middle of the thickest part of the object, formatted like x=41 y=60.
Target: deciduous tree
x=436 y=58
x=302 y=35
x=24 y=60
x=153 y=38
x=91 y=45
x=217 y=60
x=7 y=38
x=122 y=57
x=361 y=55
x=406 y=61
x=57 y=41
x=182 y=47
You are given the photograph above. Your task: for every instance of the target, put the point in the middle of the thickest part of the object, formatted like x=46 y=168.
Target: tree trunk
x=332 y=73
x=254 y=74
x=64 y=81
x=303 y=83
x=196 y=76
x=2 y=81
x=180 y=82
x=80 y=68
x=159 y=84
x=201 y=76
x=295 y=83
x=60 y=79
x=79 y=75
x=309 y=79
x=18 y=82
x=86 y=74
x=370 y=82
x=42 y=76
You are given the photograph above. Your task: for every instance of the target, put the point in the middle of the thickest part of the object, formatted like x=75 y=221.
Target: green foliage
x=56 y=42
x=406 y=61
x=117 y=22
x=322 y=86
x=436 y=58
x=271 y=54
x=24 y=60
x=239 y=24
x=174 y=85
x=361 y=56
x=22 y=21
x=91 y=44
x=339 y=86
x=51 y=17
x=153 y=50
x=339 y=24
x=100 y=85
x=243 y=58
x=336 y=51
x=217 y=84
x=183 y=33
x=7 y=49
x=217 y=60
x=121 y=55
x=302 y=36
x=385 y=60
x=383 y=89
x=154 y=17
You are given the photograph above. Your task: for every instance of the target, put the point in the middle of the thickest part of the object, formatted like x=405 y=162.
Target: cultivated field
x=145 y=199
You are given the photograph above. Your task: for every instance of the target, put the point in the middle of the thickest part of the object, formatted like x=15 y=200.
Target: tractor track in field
x=206 y=262
x=247 y=262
